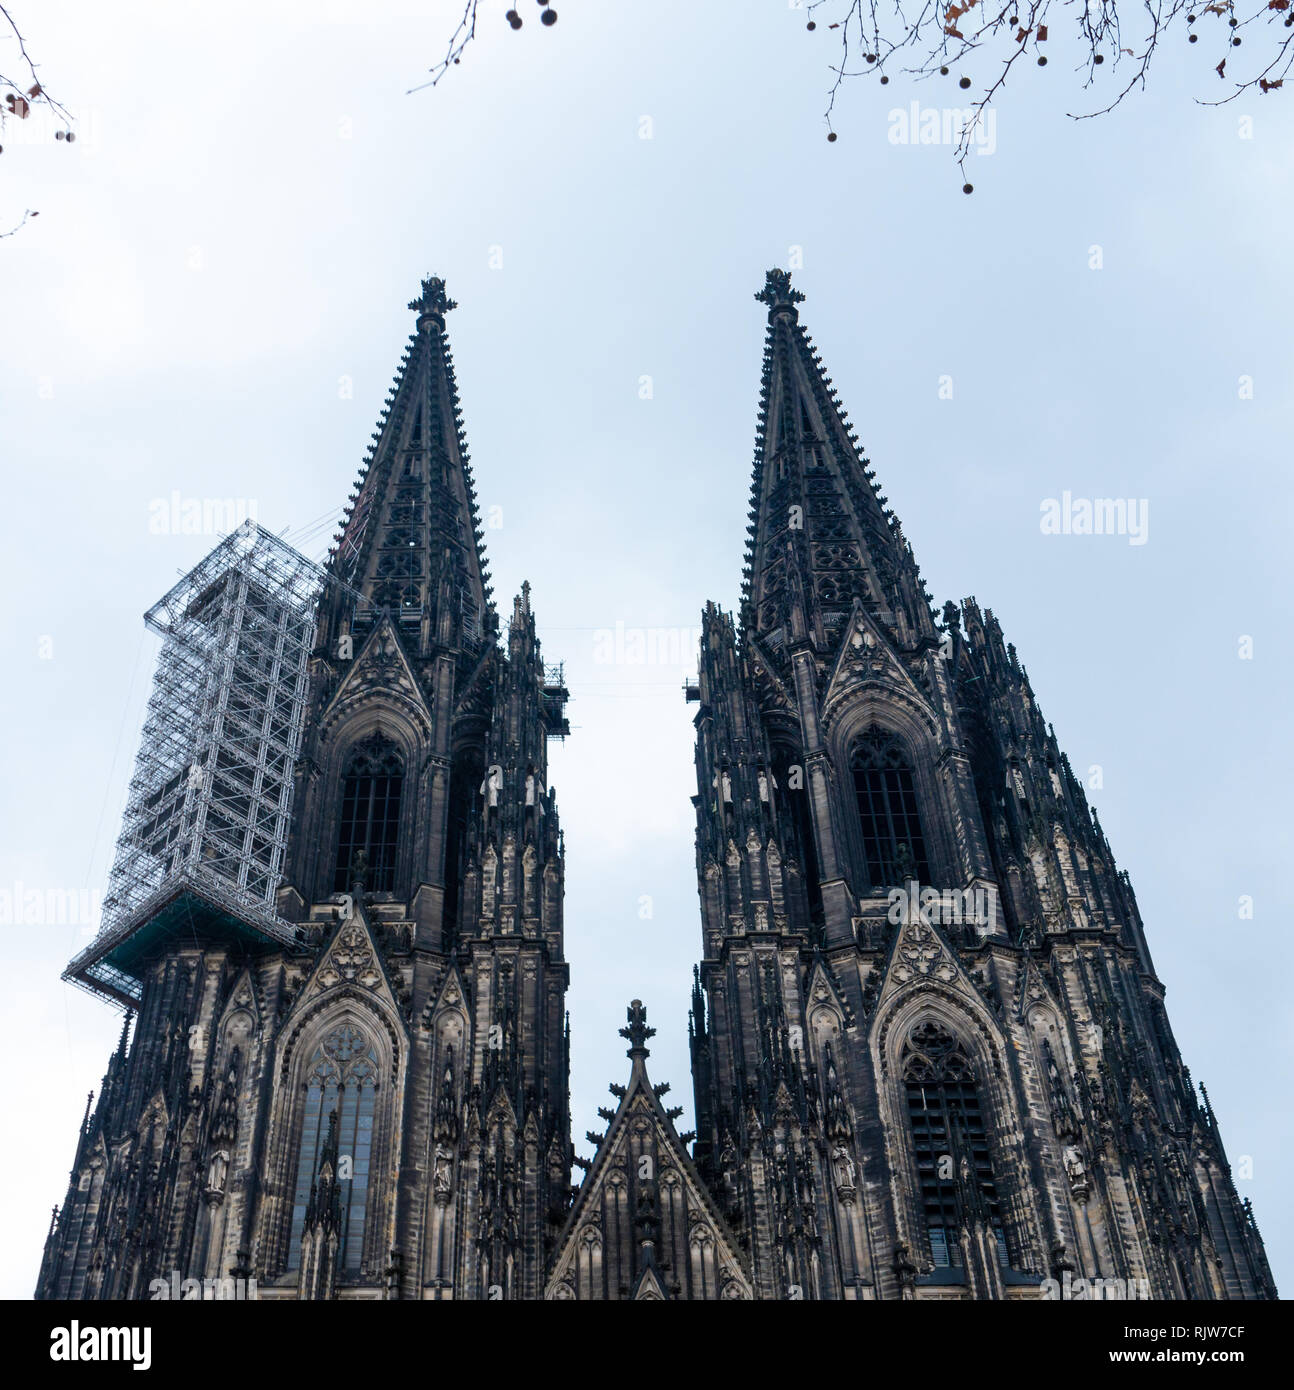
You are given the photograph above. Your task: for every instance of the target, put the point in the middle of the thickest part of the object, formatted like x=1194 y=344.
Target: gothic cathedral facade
x=930 y=1053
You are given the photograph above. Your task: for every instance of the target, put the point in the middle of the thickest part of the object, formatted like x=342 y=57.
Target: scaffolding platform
x=554 y=696
x=209 y=809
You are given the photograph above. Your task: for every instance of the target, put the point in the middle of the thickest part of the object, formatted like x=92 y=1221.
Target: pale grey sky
x=249 y=207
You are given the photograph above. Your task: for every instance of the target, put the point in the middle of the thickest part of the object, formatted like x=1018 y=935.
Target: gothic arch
x=381 y=718
x=237 y=1029
x=306 y=1022
x=380 y=687
x=959 y=1013
x=369 y=1018
x=441 y=1091
x=897 y=712
x=399 y=715
x=1044 y=1022
x=984 y=1051
x=825 y=1017
x=381 y=714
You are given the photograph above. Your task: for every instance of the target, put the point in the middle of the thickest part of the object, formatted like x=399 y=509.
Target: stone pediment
x=921 y=954
x=643 y=1169
x=867 y=657
x=380 y=668
x=353 y=960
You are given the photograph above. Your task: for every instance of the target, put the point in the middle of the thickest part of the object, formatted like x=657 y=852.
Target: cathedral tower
x=930 y=1053
x=930 y=1050
x=348 y=1070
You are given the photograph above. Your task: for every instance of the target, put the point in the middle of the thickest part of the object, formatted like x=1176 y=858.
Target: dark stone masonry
x=930 y=1052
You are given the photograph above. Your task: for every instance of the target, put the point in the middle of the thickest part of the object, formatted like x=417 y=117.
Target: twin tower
x=930 y=1052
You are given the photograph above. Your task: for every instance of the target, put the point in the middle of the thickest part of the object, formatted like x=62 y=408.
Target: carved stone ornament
x=920 y=954
x=351 y=958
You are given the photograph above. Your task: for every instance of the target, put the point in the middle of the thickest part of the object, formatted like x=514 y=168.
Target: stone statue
x=217 y=1172
x=904 y=864
x=442 y=1179
x=845 y=1169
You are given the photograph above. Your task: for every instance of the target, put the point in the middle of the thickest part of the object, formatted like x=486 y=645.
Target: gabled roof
x=642 y=1152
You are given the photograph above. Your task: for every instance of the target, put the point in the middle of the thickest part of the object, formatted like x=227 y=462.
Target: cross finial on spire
x=637 y=1032
x=433 y=301
x=777 y=292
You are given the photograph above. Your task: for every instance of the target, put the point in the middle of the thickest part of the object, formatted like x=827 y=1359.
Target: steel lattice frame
x=209 y=806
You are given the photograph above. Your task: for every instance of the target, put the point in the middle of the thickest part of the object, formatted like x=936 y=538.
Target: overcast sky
x=211 y=304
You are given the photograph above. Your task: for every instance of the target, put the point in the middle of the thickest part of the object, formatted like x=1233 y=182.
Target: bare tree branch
x=16 y=92
x=466 y=32
x=923 y=39
x=459 y=40
x=927 y=38
x=14 y=230
x=17 y=98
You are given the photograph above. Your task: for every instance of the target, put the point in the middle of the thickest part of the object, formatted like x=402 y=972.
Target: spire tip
x=433 y=302
x=778 y=294
x=637 y=1032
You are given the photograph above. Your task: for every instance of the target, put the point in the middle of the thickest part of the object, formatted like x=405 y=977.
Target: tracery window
x=370 y=815
x=954 y=1163
x=887 y=809
x=342 y=1076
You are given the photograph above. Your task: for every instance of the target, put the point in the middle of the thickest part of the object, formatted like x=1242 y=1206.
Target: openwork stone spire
x=411 y=542
x=820 y=533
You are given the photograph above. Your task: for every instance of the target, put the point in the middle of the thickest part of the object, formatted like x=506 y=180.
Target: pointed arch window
x=887 y=809
x=954 y=1163
x=800 y=841
x=341 y=1080
x=370 y=815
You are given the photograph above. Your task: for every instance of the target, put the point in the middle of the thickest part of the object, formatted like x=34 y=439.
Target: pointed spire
x=820 y=533
x=411 y=540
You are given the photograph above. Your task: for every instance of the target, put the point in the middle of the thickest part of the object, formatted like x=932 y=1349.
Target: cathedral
x=930 y=1053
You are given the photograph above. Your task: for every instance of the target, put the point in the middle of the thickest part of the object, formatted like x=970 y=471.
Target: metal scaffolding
x=208 y=813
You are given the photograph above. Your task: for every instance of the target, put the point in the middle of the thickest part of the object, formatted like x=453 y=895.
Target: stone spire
x=411 y=540
x=820 y=532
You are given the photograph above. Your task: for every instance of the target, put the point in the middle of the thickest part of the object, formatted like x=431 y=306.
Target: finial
x=433 y=303
x=778 y=294
x=637 y=1032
